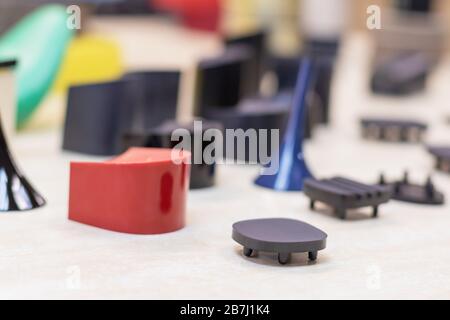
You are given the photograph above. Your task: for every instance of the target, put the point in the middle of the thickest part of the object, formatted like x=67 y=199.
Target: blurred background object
x=89 y=59
x=16 y=192
x=8 y=97
x=124 y=7
x=409 y=45
x=38 y=42
x=292 y=167
x=100 y=114
x=415 y=5
x=132 y=35
x=198 y=14
x=190 y=138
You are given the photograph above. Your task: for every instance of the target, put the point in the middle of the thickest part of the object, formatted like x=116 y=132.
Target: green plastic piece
x=38 y=42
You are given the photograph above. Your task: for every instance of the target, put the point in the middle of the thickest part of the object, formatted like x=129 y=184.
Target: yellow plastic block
x=90 y=59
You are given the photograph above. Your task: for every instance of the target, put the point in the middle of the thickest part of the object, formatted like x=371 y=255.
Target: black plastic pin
x=393 y=130
x=343 y=194
x=406 y=191
x=282 y=236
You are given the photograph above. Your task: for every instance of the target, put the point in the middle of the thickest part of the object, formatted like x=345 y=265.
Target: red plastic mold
x=143 y=191
x=197 y=14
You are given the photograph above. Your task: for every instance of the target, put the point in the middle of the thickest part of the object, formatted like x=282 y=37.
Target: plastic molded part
x=16 y=193
x=89 y=59
x=343 y=194
x=257 y=114
x=414 y=5
x=413 y=193
x=325 y=55
x=197 y=14
x=98 y=115
x=282 y=236
x=257 y=42
x=8 y=63
x=124 y=7
x=143 y=191
x=393 y=130
x=224 y=81
x=154 y=97
x=442 y=155
x=38 y=42
x=403 y=74
x=8 y=98
x=202 y=175
x=293 y=169
x=222 y=96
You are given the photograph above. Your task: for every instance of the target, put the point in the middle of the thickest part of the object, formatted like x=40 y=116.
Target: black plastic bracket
x=405 y=191
x=343 y=194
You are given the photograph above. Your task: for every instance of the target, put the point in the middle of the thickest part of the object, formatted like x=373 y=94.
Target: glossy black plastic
x=16 y=193
x=203 y=175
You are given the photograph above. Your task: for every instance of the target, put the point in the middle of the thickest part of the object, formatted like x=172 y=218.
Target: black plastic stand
x=405 y=191
x=281 y=236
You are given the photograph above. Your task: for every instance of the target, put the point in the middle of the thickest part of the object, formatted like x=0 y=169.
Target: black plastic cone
x=16 y=193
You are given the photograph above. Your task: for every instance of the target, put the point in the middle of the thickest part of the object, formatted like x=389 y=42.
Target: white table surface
x=403 y=254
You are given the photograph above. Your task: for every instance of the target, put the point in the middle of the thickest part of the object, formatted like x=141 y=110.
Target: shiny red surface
x=141 y=192
x=199 y=14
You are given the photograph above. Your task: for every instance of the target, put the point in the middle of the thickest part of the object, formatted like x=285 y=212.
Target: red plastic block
x=142 y=191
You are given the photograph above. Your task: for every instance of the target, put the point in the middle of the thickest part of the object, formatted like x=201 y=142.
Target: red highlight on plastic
x=143 y=191
x=196 y=14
